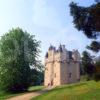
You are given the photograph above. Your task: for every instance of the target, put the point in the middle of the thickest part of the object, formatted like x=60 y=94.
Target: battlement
x=61 y=54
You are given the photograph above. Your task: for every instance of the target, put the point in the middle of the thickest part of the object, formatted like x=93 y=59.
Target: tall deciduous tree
x=18 y=51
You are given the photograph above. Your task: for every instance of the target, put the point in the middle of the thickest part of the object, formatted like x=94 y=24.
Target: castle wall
x=49 y=69
x=78 y=71
x=64 y=58
x=48 y=74
x=64 y=73
x=57 y=74
x=73 y=72
x=61 y=68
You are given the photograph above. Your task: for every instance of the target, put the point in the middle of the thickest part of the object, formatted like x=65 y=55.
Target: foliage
x=87 y=64
x=18 y=51
x=95 y=46
x=97 y=63
x=97 y=72
x=97 y=76
x=37 y=78
x=87 y=19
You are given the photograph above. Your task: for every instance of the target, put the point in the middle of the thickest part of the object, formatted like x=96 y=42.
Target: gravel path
x=28 y=96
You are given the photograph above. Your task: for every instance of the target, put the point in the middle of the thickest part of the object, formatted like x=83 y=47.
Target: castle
x=61 y=66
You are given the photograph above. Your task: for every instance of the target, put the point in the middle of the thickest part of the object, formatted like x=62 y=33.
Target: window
x=70 y=74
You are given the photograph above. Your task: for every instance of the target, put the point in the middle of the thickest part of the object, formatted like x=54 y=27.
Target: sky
x=48 y=20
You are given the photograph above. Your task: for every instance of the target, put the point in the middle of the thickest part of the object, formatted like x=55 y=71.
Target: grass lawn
x=35 y=88
x=80 y=91
x=5 y=95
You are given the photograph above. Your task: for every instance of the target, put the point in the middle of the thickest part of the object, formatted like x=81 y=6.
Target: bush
x=97 y=71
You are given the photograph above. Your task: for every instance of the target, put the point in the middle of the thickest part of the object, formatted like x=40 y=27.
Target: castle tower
x=61 y=66
x=49 y=63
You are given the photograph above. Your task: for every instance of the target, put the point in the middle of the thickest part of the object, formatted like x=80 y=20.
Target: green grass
x=80 y=91
x=35 y=88
x=5 y=95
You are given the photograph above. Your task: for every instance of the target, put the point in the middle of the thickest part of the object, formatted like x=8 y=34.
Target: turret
x=61 y=53
x=49 y=57
x=76 y=55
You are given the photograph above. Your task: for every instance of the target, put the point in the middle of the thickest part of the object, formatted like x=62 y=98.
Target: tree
x=37 y=78
x=18 y=51
x=97 y=72
x=87 y=63
x=87 y=19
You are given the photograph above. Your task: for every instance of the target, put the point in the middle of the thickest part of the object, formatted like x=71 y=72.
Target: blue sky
x=48 y=20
